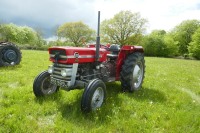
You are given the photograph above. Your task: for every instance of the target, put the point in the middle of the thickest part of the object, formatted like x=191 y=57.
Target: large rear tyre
x=10 y=54
x=94 y=95
x=132 y=73
x=42 y=85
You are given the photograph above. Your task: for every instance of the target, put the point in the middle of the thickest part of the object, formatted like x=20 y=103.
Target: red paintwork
x=90 y=51
x=82 y=52
x=122 y=56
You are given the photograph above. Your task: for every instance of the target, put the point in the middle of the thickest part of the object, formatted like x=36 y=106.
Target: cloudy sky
x=49 y=14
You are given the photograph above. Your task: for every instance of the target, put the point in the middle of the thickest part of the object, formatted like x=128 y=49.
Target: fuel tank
x=70 y=55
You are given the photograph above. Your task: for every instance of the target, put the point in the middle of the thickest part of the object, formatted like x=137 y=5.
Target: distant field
x=168 y=102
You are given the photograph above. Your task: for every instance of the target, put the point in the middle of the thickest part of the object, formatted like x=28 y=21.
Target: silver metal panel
x=66 y=66
x=74 y=71
x=72 y=56
x=61 y=56
x=60 y=77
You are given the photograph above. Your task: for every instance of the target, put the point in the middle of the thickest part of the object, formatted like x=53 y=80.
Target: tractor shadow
x=53 y=97
x=115 y=98
x=144 y=94
x=147 y=94
x=11 y=68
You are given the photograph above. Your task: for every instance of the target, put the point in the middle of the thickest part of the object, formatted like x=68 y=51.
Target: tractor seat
x=114 y=51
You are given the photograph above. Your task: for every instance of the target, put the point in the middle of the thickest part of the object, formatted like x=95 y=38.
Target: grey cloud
x=47 y=14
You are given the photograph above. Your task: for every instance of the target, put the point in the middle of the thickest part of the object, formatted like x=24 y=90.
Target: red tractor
x=90 y=68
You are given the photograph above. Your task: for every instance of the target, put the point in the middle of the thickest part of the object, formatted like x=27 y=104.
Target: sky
x=47 y=15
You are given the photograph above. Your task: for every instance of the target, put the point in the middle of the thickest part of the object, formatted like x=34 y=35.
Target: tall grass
x=169 y=101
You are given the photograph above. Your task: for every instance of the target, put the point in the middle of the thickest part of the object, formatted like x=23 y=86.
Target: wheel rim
x=137 y=75
x=48 y=88
x=97 y=98
x=9 y=56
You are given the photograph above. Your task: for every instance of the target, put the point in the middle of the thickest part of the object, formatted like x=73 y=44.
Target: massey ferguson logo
x=76 y=54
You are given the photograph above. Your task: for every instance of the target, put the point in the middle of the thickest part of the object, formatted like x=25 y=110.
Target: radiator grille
x=58 y=79
x=62 y=54
x=57 y=71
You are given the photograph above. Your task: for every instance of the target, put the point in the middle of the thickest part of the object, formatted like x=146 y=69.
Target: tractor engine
x=108 y=70
x=87 y=72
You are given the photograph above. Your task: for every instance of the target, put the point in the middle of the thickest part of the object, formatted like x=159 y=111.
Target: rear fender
x=125 y=50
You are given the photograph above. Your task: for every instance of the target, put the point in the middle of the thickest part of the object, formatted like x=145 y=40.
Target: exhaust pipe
x=98 y=38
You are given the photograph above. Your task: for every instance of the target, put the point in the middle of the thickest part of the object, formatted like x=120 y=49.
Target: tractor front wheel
x=42 y=85
x=132 y=73
x=94 y=95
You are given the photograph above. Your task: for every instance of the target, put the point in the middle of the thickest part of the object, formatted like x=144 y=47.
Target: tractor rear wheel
x=42 y=85
x=132 y=73
x=94 y=95
x=10 y=54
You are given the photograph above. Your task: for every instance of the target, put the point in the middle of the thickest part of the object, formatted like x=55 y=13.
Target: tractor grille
x=61 y=51
x=57 y=71
x=57 y=78
x=62 y=54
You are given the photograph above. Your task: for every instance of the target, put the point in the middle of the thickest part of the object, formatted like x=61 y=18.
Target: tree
x=183 y=34
x=40 y=41
x=122 y=26
x=159 y=43
x=18 y=34
x=134 y=39
x=76 y=32
x=154 y=45
x=194 y=46
x=30 y=35
x=172 y=45
x=8 y=32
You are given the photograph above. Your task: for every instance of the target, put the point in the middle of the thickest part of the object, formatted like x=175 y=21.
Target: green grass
x=169 y=101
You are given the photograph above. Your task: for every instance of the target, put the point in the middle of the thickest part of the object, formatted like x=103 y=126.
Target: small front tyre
x=42 y=85
x=94 y=95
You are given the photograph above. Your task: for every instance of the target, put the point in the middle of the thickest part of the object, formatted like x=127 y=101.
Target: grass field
x=169 y=101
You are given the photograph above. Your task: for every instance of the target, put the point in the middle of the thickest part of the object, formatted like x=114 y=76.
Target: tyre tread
x=127 y=69
x=15 y=48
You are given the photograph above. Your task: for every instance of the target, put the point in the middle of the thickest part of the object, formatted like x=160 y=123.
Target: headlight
x=66 y=72
x=50 y=69
x=63 y=72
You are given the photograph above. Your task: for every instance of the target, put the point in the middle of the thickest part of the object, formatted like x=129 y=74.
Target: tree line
x=25 y=36
x=125 y=28
x=182 y=40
